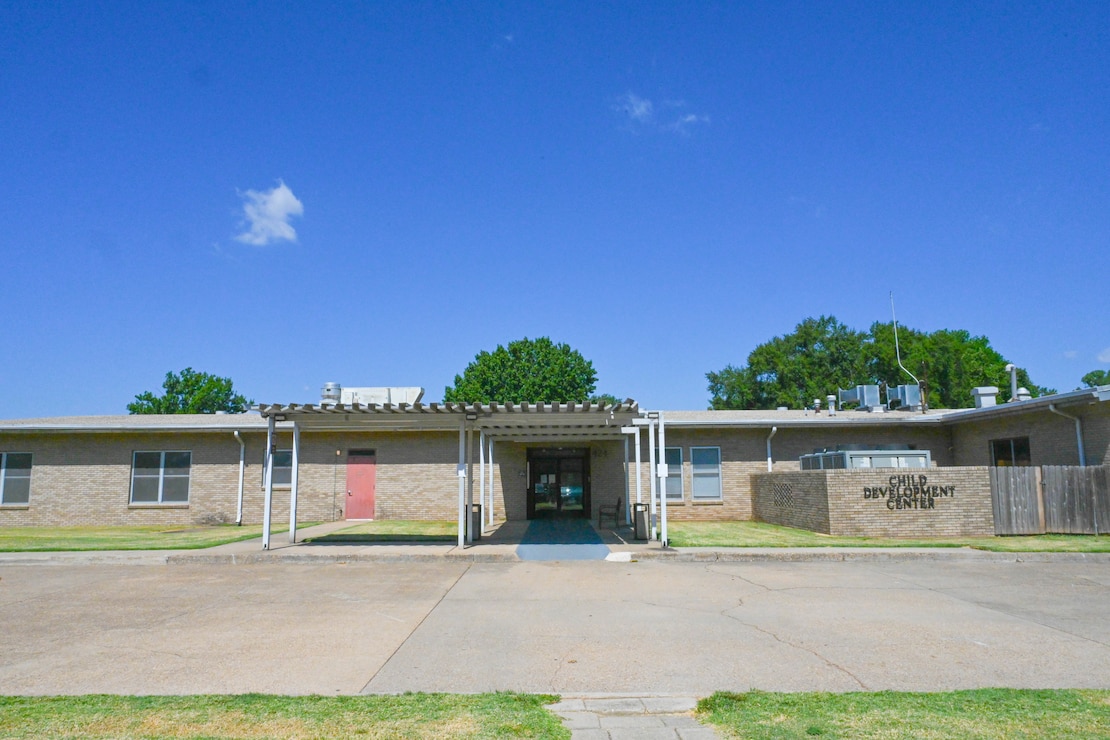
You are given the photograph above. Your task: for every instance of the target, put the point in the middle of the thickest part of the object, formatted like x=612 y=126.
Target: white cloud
x=684 y=122
x=1104 y=355
x=267 y=215
x=642 y=112
x=638 y=109
x=1071 y=354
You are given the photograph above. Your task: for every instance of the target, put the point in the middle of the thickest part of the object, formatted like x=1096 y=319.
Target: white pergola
x=529 y=423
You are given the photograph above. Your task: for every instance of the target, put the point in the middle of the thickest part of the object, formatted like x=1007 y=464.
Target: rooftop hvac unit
x=904 y=397
x=867 y=396
x=331 y=393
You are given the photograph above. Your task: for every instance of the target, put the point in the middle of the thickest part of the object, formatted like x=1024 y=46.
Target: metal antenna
x=897 y=351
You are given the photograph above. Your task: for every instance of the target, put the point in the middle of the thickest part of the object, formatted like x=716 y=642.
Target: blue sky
x=662 y=186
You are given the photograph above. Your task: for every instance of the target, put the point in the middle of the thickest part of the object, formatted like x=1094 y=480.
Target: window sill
x=158 y=506
x=709 y=502
x=14 y=507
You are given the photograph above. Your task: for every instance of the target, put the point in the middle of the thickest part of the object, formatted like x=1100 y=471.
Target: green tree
x=947 y=362
x=608 y=398
x=1096 y=377
x=191 y=392
x=794 y=369
x=822 y=355
x=527 y=371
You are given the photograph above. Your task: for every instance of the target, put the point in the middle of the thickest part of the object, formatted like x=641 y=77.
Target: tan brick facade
x=938 y=502
x=1052 y=438
x=84 y=477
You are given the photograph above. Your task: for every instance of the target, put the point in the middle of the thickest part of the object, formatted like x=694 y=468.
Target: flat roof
x=532 y=421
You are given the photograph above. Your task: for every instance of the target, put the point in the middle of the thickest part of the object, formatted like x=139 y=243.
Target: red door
x=360 y=484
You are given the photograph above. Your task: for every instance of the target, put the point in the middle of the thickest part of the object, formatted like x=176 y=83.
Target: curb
x=297 y=556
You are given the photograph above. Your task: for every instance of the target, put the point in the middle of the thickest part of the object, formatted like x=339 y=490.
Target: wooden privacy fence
x=1055 y=499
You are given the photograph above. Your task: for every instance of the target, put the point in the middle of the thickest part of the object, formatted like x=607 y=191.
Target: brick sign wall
x=933 y=502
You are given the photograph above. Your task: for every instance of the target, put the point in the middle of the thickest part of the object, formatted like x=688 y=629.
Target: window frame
x=695 y=475
x=162 y=476
x=1013 y=461
x=5 y=476
x=287 y=483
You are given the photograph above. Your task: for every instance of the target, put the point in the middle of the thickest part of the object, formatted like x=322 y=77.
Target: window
x=674 y=473
x=283 y=468
x=1008 y=452
x=160 y=477
x=706 y=464
x=15 y=478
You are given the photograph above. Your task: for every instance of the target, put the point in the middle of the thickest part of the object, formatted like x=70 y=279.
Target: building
x=375 y=457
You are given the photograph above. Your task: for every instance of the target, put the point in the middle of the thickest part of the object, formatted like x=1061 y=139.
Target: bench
x=613 y=511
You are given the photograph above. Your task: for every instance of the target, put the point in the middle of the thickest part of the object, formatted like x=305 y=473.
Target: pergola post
x=639 y=483
x=489 y=511
x=293 y=483
x=469 y=486
x=652 y=492
x=663 y=473
x=627 y=506
x=460 y=471
x=268 y=473
x=482 y=468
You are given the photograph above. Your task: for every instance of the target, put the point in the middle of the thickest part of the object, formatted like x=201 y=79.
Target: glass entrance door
x=558 y=486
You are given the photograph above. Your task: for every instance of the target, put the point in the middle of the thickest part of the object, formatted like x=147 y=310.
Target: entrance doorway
x=361 y=480
x=559 y=483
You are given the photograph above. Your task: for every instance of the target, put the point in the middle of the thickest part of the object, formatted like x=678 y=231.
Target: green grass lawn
x=499 y=715
x=760 y=534
x=983 y=714
x=393 y=530
x=34 y=539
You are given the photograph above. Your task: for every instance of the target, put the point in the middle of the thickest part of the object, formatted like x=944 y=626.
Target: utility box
x=640 y=521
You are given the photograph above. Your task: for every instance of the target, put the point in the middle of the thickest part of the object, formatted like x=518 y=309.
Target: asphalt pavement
x=183 y=623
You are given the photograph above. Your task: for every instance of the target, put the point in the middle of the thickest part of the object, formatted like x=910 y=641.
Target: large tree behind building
x=822 y=355
x=1096 y=378
x=526 y=371
x=191 y=392
x=794 y=369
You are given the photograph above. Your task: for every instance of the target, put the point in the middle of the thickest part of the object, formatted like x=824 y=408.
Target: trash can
x=476 y=521
x=640 y=521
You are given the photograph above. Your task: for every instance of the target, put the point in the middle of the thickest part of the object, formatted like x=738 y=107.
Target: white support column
x=268 y=473
x=652 y=488
x=489 y=510
x=469 y=486
x=639 y=483
x=482 y=470
x=627 y=504
x=293 y=483
x=663 y=473
x=460 y=471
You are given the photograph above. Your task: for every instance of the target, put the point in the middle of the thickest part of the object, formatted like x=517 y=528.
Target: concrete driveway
x=638 y=628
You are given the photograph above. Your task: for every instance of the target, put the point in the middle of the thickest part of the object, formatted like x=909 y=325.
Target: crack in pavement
x=952 y=594
x=784 y=641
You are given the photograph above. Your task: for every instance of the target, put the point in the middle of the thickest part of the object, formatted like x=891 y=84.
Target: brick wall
x=1052 y=439
x=938 y=502
x=744 y=453
x=86 y=479
x=793 y=499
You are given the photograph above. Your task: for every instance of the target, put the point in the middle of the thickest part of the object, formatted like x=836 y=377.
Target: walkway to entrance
x=561 y=539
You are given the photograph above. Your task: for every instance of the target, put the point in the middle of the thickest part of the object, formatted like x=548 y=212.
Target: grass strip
x=981 y=714
x=761 y=534
x=250 y=716
x=392 y=530
x=162 y=537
